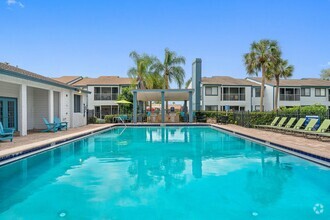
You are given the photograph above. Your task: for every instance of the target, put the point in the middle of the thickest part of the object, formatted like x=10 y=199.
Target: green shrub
x=100 y=121
x=109 y=118
x=250 y=119
x=92 y=120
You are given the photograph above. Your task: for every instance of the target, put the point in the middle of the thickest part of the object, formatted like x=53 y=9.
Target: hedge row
x=250 y=119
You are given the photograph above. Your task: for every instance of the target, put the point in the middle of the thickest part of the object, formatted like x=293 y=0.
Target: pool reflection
x=168 y=157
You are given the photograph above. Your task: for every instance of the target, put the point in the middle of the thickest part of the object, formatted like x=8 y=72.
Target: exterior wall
x=304 y=100
x=310 y=100
x=30 y=107
x=216 y=99
x=79 y=119
x=37 y=102
x=9 y=90
x=92 y=103
x=211 y=100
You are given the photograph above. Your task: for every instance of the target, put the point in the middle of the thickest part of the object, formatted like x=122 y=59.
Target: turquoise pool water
x=164 y=173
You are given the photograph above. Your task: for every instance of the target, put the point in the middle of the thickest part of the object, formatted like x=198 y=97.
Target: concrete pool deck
x=34 y=141
x=312 y=146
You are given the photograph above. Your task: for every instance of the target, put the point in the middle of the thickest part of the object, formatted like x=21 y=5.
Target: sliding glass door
x=8 y=112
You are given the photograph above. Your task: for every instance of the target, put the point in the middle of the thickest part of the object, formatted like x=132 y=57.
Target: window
x=257 y=92
x=106 y=93
x=97 y=93
x=97 y=112
x=305 y=92
x=289 y=94
x=319 y=92
x=211 y=108
x=211 y=90
x=77 y=104
x=233 y=94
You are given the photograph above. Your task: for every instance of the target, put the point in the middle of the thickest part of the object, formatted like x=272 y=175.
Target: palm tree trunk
x=262 y=89
x=276 y=93
x=166 y=87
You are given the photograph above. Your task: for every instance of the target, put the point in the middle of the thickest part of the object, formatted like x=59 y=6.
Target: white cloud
x=14 y=2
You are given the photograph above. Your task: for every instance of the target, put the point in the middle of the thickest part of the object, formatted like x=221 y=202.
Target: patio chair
x=309 y=127
x=50 y=126
x=320 y=132
x=6 y=133
x=60 y=124
x=297 y=126
x=271 y=124
x=288 y=125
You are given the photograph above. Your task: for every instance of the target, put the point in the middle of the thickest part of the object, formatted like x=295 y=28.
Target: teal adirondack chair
x=60 y=124
x=6 y=133
x=50 y=126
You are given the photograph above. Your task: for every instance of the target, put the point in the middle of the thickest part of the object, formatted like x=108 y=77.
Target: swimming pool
x=164 y=173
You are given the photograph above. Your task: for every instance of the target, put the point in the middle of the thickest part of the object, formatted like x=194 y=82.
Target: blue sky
x=92 y=38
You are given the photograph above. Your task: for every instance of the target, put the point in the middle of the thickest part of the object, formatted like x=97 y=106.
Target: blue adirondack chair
x=6 y=133
x=60 y=124
x=50 y=126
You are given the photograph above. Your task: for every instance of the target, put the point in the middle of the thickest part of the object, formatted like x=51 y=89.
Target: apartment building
x=26 y=98
x=295 y=92
x=219 y=93
x=104 y=92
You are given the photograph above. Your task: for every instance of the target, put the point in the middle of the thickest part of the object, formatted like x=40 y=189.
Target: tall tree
x=261 y=56
x=188 y=82
x=142 y=69
x=279 y=69
x=171 y=69
x=325 y=74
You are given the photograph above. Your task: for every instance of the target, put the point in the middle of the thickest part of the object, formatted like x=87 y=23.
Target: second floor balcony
x=105 y=96
x=234 y=97
x=289 y=97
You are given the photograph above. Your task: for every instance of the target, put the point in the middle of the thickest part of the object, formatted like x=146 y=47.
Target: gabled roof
x=21 y=73
x=227 y=81
x=104 y=80
x=315 y=82
x=68 y=79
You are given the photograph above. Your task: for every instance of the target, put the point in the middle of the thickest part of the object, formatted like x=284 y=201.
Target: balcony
x=105 y=96
x=289 y=97
x=234 y=97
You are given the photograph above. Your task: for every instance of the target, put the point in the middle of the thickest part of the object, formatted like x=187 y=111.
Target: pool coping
x=12 y=157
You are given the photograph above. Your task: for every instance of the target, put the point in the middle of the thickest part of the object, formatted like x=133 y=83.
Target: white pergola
x=162 y=95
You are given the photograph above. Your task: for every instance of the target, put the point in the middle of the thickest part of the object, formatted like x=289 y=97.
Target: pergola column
x=50 y=106
x=163 y=103
x=134 y=107
x=190 y=107
x=23 y=110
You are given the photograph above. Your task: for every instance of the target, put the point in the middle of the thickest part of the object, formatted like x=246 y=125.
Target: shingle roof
x=67 y=79
x=227 y=81
x=104 y=80
x=18 y=72
x=296 y=82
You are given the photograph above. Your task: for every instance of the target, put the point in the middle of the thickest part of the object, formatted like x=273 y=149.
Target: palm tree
x=325 y=74
x=261 y=56
x=142 y=69
x=280 y=69
x=188 y=82
x=171 y=69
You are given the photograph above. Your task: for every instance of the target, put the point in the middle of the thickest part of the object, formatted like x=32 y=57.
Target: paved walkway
x=312 y=146
x=35 y=140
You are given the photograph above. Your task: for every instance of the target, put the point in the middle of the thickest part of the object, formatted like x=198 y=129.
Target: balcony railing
x=234 y=97
x=289 y=97
x=105 y=96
